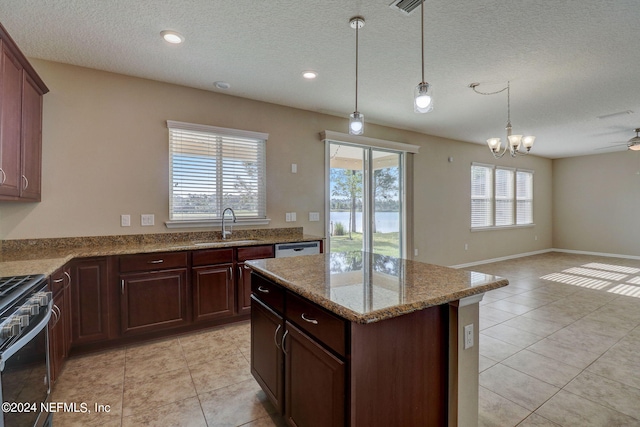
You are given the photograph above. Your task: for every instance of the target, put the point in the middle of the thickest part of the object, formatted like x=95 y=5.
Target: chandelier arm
x=474 y=85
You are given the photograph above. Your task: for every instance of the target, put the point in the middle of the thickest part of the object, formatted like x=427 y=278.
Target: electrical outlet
x=147 y=219
x=294 y=168
x=125 y=220
x=293 y=217
x=468 y=336
x=466 y=246
x=287 y=217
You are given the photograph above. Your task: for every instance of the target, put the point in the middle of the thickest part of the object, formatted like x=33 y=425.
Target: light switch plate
x=314 y=216
x=147 y=219
x=125 y=220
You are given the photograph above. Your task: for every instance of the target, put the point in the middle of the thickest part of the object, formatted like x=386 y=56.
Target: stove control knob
x=32 y=308
x=24 y=320
x=43 y=298
x=9 y=329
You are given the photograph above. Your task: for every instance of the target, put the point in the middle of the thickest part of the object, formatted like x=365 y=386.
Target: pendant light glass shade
x=356 y=123
x=423 y=98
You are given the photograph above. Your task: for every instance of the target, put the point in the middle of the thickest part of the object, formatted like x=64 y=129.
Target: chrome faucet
x=226 y=233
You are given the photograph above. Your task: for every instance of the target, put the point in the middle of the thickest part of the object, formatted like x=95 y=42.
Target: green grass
x=384 y=243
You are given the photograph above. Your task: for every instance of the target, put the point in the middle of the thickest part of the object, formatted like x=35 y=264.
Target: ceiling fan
x=632 y=144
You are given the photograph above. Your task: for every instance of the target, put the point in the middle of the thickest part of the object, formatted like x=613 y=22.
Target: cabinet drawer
x=268 y=292
x=255 y=252
x=323 y=325
x=212 y=256
x=156 y=261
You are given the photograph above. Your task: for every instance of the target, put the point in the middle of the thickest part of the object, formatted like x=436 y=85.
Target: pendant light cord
x=422 y=35
x=357 y=27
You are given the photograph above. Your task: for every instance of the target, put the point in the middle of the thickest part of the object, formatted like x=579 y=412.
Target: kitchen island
x=360 y=339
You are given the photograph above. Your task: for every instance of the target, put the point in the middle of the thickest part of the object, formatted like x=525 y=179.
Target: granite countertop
x=44 y=256
x=363 y=287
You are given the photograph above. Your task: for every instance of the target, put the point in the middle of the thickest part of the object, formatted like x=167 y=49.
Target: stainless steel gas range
x=25 y=310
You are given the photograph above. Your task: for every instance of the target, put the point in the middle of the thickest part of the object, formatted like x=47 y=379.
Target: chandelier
x=518 y=145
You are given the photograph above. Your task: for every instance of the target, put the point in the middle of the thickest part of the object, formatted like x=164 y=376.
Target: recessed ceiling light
x=222 y=85
x=309 y=75
x=172 y=37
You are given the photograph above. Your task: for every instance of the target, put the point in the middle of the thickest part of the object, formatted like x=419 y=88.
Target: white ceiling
x=568 y=61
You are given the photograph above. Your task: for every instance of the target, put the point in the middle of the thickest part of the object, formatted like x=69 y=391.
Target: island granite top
x=363 y=287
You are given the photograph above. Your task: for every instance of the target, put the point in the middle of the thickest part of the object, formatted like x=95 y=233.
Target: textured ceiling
x=568 y=61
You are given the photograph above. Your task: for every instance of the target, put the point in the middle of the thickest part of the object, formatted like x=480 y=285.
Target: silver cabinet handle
x=230 y=275
x=307 y=319
x=58 y=280
x=275 y=336
x=284 y=337
x=68 y=277
x=263 y=290
x=26 y=182
x=4 y=176
x=156 y=261
x=122 y=286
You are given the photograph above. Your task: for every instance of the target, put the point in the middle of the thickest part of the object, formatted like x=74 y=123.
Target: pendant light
x=356 y=119
x=422 y=95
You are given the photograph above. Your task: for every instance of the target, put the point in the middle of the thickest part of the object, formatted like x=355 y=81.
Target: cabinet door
x=314 y=382
x=31 y=140
x=213 y=292
x=89 y=301
x=153 y=301
x=267 y=328
x=57 y=336
x=10 y=113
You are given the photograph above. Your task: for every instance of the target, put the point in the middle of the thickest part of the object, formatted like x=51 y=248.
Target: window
x=214 y=168
x=500 y=197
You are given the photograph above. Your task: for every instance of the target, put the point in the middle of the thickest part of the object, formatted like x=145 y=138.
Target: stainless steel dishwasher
x=284 y=250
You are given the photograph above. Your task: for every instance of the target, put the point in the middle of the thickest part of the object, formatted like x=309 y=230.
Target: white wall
x=596 y=203
x=105 y=153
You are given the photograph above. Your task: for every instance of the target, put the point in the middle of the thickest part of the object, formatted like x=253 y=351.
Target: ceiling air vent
x=405 y=6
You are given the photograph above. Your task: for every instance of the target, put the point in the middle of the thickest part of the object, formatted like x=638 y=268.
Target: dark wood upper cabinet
x=21 y=91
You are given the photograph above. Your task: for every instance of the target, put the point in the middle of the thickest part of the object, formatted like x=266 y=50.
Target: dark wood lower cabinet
x=90 y=301
x=213 y=292
x=339 y=373
x=314 y=382
x=153 y=300
x=267 y=361
x=58 y=339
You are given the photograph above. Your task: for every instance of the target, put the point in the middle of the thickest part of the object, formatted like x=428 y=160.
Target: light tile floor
x=558 y=347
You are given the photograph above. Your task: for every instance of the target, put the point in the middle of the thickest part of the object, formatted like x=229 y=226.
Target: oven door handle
x=16 y=346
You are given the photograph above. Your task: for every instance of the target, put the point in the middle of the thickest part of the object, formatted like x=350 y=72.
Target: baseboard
x=604 y=254
x=504 y=258
x=543 y=251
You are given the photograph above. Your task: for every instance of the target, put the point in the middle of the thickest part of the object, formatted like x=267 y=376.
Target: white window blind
x=504 y=197
x=213 y=168
x=524 y=196
x=481 y=195
x=500 y=197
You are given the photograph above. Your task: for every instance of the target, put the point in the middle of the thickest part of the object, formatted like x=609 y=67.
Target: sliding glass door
x=365 y=188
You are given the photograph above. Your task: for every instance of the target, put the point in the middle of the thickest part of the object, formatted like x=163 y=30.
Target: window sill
x=203 y=223
x=502 y=227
